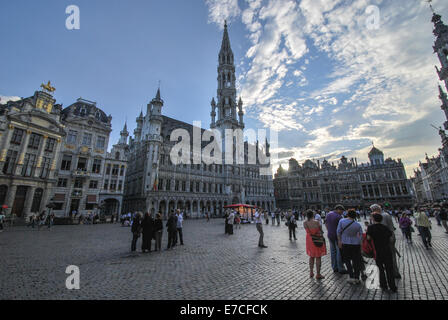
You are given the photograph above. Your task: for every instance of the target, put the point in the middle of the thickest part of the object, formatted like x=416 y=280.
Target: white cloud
x=4 y=99
x=380 y=83
x=220 y=10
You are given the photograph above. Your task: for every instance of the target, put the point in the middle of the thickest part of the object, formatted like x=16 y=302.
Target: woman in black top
x=381 y=236
x=148 y=232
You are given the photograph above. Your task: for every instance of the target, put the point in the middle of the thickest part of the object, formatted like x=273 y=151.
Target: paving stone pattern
x=211 y=266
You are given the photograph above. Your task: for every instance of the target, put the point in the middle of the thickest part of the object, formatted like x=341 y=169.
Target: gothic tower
x=441 y=48
x=155 y=144
x=229 y=117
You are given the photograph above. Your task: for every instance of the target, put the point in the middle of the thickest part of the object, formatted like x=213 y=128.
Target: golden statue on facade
x=48 y=87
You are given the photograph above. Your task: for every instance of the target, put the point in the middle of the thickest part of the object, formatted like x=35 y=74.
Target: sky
x=330 y=76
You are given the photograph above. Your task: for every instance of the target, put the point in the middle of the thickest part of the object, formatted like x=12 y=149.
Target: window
x=120 y=185
x=96 y=167
x=66 y=163
x=10 y=163
x=100 y=142
x=37 y=198
x=72 y=137
x=46 y=163
x=93 y=184
x=113 y=185
x=115 y=170
x=49 y=147
x=82 y=164
x=87 y=139
x=108 y=169
x=122 y=171
x=117 y=155
x=78 y=183
x=168 y=185
x=34 y=141
x=62 y=183
x=28 y=165
x=176 y=186
x=17 y=136
x=106 y=184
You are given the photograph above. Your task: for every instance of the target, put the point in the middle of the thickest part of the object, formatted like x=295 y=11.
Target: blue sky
x=310 y=69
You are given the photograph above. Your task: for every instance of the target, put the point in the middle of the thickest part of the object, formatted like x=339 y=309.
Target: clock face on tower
x=228 y=84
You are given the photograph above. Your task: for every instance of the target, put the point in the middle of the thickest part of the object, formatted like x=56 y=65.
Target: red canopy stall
x=246 y=211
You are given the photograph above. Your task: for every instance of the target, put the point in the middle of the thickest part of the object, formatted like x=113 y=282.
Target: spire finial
x=430 y=5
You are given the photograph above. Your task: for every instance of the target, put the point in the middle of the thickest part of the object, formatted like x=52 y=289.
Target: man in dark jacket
x=148 y=232
x=171 y=226
x=381 y=236
x=136 y=230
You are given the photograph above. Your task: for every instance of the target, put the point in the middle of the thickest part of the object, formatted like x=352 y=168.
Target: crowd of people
x=150 y=229
x=349 y=241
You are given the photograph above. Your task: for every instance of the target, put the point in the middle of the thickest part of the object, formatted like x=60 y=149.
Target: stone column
x=5 y=145
x=40 y=156
x=45 y=199
x=10 y=198
x=56 y=157
x=28 y=201
x=167 y=208
x=22 y=153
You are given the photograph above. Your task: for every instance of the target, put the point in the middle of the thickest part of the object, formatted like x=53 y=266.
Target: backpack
x=368 y=247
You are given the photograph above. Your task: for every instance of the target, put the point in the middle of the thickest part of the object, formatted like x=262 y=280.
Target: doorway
x=19 y=201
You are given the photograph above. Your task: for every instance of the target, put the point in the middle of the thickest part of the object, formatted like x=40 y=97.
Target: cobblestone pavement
x=210 y=265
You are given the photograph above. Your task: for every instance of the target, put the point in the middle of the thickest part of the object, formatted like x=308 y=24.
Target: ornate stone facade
x=318 y=186
x=59 y=156
x=430 y=181
x=154 y=183
x=31 y=137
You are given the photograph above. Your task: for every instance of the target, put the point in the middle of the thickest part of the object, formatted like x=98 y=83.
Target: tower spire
x=226 y=103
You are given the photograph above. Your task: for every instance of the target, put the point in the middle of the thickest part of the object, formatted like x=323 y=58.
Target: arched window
x=37 y=199
x=3 y=192
x=82 y=111
x=117 y=156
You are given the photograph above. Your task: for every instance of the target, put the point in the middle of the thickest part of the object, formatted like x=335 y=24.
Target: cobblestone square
x=209 y=266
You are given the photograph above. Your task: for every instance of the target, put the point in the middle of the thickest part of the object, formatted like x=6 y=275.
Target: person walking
x=405 y=225
x=259 y=225
x=226 y=227
x=179 y=226
x=2 y=218
x=273 y=217
x=147 y=232
x=443 y=216
x=381 y=236
x=277 y=217
x=136 y=231
x=388 y=222
x=171 y=226
x=349 y=233
x=424 y=226
x=292 y=225
x=237 y=220
x=230 y=222
x=158 y=232
x=315 y=244
x=50 y=220
x=331 y=223
x=266 y=217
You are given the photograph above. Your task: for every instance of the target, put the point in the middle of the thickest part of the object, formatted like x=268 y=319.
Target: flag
x=156 y=182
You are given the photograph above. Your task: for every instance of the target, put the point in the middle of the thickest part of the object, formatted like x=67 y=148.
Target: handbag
x=318 y=241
